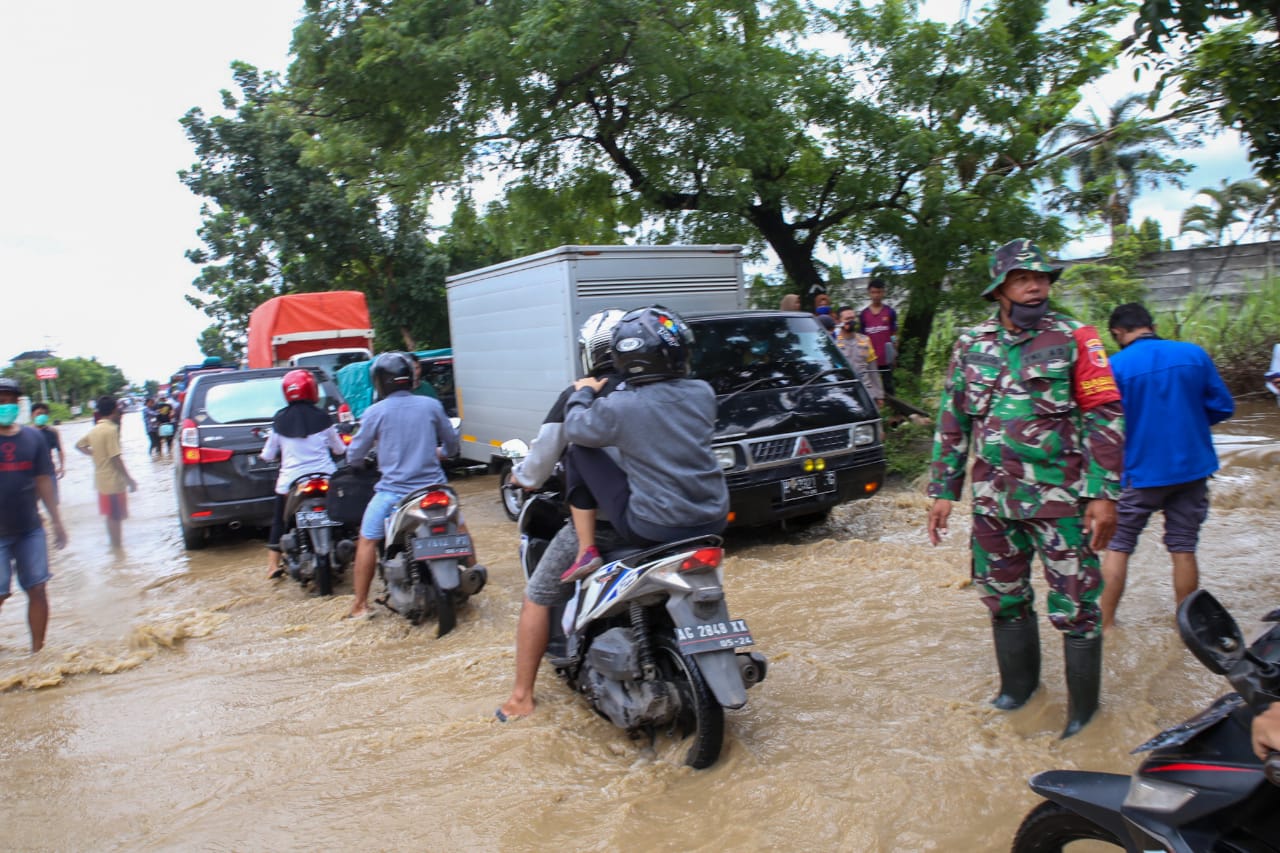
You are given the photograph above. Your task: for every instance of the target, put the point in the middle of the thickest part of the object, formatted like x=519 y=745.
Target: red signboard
x=46 y=373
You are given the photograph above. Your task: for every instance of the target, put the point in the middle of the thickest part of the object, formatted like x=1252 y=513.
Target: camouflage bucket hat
x=1020 y=254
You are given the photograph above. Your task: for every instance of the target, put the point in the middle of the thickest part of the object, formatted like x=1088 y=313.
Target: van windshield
x=737 y=353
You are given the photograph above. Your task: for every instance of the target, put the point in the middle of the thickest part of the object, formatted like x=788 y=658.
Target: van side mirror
x=1210 y=632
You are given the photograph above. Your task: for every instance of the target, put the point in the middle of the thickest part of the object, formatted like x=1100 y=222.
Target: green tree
x=1229 y=204
x=713 y=118
x=274 y=223
x=1113 y=157
x=1224 y=55
x=214 y=343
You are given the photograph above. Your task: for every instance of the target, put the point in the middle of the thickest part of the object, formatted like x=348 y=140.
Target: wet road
x=183 y=702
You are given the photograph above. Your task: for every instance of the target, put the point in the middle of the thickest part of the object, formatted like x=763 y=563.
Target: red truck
x=325 y=330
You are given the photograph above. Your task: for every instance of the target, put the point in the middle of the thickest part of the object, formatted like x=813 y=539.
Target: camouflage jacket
x=1043 y=413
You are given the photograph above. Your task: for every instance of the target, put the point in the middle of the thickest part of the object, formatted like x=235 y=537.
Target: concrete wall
x=1222 y=271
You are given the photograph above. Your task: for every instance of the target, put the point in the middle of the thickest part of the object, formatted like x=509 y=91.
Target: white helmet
x=595 y=340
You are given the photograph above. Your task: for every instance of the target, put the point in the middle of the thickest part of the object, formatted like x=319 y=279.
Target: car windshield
x=252 y=400
x=740 y=353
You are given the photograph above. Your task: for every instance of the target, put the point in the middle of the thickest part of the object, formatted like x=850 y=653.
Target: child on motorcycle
x=667 y=483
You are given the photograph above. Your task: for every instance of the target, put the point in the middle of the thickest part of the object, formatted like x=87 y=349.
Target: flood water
x=184 y=702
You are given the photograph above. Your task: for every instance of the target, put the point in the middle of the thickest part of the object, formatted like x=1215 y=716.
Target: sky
x=93 y=220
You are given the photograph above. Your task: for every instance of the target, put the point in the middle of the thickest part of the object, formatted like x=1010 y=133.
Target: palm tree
x=1229 y=204
x=1113 y=157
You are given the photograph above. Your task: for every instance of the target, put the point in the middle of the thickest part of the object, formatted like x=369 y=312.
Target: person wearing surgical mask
x=26 y=476
x=41 y=420
x=1031 y=395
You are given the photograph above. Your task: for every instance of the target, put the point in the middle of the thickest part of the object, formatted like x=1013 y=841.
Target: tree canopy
x=718 y=121
x=275 y=223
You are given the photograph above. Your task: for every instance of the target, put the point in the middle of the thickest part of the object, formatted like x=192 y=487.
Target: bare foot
x=362 y=613
x=513 y=709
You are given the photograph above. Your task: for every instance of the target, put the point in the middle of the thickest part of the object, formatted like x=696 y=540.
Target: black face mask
x=1027 y=316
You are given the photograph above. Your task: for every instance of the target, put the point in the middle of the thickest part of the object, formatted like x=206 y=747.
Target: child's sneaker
x=585 y=565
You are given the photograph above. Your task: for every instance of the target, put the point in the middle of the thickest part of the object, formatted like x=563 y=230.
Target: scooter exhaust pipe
x=234 y=525
x=753 y=666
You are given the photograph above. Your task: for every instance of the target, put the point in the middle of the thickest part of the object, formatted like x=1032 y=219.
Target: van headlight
x=864 y=434
x=726 y=457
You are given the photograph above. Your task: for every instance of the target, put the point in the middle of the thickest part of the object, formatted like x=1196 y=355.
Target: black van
x=219 y=478
x=796 y=431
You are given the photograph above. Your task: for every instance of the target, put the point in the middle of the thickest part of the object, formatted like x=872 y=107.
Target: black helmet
x=595 y=341
x=651 y=344
x=392 y=371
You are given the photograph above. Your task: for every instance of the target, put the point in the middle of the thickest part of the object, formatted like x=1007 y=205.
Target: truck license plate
x=452 y=546
x=798 y=488
x=713 y=636
x=315 y=518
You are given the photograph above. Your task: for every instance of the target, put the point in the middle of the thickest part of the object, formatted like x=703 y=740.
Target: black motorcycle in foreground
x=1201 y=788
x=648 y=639
x=314 y=547
x=422 y=557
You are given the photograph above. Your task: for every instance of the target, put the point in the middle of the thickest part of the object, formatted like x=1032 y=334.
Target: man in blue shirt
x=1172 y=394
x=412 y=434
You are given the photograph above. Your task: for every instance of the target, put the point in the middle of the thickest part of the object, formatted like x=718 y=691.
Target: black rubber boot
x=1083 y=657
x=1018 y=657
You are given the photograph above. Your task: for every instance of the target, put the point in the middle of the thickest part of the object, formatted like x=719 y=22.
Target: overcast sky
x=94 y=221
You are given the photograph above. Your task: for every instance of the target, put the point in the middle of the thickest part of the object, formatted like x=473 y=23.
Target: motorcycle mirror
x=1273 y=616
x=1210 y=632
x=514 y=448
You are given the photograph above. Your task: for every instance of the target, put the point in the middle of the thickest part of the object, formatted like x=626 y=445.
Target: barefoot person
x=26 y=473
x=110 y=476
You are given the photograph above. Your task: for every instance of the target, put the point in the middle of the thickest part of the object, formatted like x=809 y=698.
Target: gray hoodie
x=662 y=432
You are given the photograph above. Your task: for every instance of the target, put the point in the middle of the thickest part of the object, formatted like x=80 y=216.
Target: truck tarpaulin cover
x=285 y=326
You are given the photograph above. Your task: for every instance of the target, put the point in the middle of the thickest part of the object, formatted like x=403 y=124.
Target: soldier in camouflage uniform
x=1031 y=390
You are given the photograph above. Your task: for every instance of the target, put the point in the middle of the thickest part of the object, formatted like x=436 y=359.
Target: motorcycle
x=314 y=548
x=647 y=638
x=421 y=562
x=1201 y=788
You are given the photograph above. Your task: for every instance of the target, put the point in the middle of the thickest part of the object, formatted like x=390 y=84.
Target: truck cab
x=796 y=431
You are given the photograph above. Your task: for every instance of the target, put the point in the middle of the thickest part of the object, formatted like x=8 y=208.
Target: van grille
x=778 y=449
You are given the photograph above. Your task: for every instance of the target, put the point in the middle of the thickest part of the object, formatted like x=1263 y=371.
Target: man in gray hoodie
x=668 y=486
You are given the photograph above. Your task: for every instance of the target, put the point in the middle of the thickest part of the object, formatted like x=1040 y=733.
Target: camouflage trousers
x=1002 y=552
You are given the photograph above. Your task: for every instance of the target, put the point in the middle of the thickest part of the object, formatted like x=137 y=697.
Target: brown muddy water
x=183 y=702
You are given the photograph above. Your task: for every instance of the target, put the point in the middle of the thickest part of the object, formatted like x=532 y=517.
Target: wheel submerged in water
x=701 y=716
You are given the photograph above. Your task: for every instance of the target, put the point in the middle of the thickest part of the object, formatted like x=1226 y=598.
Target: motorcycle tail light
x=439 y=529
x=318 y=486
x=434 y=500
x=702 y=559
x=344 y=416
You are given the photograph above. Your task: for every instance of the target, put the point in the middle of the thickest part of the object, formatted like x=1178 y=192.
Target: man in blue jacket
x=1172 y=394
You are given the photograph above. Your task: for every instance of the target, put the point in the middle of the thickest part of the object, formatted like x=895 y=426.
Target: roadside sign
x=46 y=373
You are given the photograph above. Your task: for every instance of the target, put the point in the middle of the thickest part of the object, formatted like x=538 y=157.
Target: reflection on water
x=198 y=706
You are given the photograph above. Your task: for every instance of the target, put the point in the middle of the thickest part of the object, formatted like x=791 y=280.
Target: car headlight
x=864 y=434
x=726 y=457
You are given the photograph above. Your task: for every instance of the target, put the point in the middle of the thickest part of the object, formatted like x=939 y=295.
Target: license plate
x=450 y=546
x=810 y=485
x=315 y=518
x=713 y=636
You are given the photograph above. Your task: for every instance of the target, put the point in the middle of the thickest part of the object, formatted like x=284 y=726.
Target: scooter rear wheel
x=323 y=575
x=701 y=716
x=1049 y=828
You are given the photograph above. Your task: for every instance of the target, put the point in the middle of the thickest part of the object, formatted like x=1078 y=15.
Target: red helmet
x=301 y=385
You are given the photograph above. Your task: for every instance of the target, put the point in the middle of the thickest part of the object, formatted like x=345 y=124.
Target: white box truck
x=796 y=432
